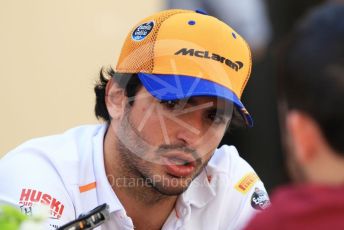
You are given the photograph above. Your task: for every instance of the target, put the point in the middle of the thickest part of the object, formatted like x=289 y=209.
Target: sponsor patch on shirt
x=30 y=197
x=246 y=183
x=259 y=199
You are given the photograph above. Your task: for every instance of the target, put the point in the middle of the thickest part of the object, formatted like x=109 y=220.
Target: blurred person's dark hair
x=311 y=71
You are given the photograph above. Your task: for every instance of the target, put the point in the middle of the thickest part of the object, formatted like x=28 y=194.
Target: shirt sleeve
x=28 y=179
x=246 y=191
x=254 y=201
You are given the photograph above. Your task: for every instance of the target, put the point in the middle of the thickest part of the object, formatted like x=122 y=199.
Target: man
x=168 y=103
x=312 y=117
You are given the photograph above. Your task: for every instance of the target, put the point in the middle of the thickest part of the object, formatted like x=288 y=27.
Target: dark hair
x=311 y=73
x=127 y=81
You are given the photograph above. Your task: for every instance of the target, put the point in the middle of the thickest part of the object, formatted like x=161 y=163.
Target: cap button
x=201 y=12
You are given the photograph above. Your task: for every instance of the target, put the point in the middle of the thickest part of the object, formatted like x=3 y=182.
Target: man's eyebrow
x=190 y=101
x=213 y=108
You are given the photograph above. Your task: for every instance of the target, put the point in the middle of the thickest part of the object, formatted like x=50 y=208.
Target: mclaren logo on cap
x=213 y=56
x=142 y=31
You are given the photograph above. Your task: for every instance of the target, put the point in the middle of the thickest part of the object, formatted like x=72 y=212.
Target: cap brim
x=173 y=87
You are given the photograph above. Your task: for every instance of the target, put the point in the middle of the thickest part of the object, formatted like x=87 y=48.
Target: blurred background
x=51 y=53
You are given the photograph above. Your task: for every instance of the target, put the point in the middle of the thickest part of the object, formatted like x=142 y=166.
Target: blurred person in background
x=311 y=92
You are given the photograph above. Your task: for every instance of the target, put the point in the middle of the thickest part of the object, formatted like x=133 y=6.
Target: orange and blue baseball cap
x=179 y=54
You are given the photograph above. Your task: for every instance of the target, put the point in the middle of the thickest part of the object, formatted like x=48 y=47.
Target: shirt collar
x=200 y=191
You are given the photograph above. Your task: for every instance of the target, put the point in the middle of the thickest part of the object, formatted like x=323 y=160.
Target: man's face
x=169 y=143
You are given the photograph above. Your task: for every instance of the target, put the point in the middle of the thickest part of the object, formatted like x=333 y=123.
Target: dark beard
x=144 y=191
x=131 y=146
x=131 y=164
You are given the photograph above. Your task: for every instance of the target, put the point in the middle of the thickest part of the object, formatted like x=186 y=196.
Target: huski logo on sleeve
x=29 y=197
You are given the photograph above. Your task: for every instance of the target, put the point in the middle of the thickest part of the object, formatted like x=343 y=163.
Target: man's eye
x=172 y=104
x=216 y=118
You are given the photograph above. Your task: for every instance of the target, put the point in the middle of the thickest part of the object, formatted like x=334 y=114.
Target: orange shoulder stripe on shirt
x=87 y=187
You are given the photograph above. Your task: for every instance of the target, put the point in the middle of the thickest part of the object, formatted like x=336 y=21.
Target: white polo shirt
x=67 y=173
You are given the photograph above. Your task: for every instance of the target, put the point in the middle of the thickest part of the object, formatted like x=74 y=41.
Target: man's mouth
x=179 y=164
x=178 y=161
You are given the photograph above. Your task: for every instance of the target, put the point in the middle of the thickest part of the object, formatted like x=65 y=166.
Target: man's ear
x=305 y=135
x=114 y=100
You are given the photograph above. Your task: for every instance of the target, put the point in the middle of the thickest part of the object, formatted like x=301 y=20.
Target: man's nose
x=190 y=128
